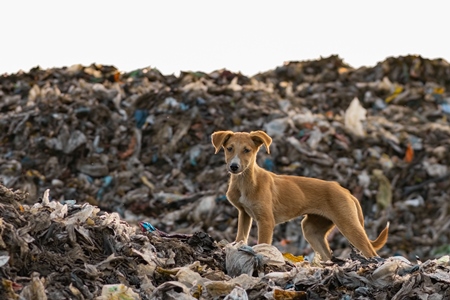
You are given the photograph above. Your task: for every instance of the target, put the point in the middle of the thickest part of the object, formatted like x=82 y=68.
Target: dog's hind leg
x=357 y=236
x=358 y=207
x=315 y=230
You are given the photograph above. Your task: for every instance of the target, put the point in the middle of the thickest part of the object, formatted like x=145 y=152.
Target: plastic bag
x=354 y=115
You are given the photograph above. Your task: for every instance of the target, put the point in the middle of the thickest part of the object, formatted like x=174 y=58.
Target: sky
x=241 y=36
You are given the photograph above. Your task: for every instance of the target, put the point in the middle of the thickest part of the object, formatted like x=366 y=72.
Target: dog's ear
x=260 y=137
x=219 y=138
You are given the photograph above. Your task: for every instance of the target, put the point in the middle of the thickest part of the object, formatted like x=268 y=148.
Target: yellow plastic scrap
x=292 y=258
x=197 y=291
x=147 y=182
x=398 y=90
x=90 y=222
x=439 y=90
x=35 y=173
x=167 y=271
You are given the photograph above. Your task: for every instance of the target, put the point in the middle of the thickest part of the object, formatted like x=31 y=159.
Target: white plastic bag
x=354 y=115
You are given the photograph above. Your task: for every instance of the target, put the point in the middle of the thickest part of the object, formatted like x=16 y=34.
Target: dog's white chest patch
x=243 y=200
x=246 y=203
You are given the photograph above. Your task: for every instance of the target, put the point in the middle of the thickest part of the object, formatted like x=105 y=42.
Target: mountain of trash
x=87 y=153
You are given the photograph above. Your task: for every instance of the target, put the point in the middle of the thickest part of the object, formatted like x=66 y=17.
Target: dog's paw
x=377 y=259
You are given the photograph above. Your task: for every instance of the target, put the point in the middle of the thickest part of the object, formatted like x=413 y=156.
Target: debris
x=87 y=153
x=354 y=116
x=117 y=291
x=243 y=259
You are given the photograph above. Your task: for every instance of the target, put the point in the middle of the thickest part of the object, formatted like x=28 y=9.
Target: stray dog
x=271 y=199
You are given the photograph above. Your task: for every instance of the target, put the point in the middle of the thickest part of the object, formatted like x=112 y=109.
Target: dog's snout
x=234 y=167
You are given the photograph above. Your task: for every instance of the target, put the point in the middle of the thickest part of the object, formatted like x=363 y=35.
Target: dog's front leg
x=265 y=229
x=244 y=224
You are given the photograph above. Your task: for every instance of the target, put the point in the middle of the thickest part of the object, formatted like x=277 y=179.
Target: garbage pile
x=138 y=144
x=52 y=250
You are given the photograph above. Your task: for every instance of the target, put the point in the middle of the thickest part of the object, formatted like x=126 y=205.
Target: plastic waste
x=354 y=117
x=384 y=194
x=74 y=129
x=242 y=259
x=118 y=291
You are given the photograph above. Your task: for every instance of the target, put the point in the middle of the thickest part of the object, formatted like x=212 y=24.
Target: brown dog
x=271 y=199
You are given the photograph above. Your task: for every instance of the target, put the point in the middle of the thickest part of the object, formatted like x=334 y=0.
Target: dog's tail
x=381 y=239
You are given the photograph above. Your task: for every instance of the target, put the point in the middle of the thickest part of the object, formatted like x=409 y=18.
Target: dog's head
x=240 y=147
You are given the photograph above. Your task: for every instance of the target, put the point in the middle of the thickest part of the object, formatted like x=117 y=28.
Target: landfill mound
x=52 y=250
x=137 y=146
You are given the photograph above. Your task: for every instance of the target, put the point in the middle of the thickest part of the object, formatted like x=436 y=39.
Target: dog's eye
x=229 y=149
x=246 y=150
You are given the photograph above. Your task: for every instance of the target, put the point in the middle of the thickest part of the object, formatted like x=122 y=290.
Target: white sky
x=247 y=36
